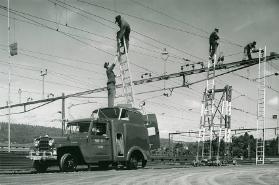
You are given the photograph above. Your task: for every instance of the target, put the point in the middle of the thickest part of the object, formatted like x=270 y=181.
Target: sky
x=74 y=63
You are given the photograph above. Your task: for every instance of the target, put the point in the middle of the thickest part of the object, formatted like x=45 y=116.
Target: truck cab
x=115 y=135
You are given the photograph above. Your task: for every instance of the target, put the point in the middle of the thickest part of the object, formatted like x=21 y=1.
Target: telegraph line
x=32 y=68
x=200 y=29
x=158 y=23
x=237 y=66
x=58 y=74
x=132 y=30
x=143 y=19
x=51 y=82
x=173 y=18
x=59 y=31
x=93 y=33
x=75 y=28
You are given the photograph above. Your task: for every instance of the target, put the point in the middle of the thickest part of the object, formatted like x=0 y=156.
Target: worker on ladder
x=213 y=43
x=248 y=49
x=123 y=33
x=110 y=83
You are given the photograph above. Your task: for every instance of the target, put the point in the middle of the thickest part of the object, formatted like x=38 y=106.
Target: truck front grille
x=43 y=144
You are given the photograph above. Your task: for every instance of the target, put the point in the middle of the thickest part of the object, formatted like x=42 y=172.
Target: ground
x=228 y=175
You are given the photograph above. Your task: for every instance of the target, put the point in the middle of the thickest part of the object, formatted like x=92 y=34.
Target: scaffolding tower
x=215 y=118
x=127 y=82
x=260 y=143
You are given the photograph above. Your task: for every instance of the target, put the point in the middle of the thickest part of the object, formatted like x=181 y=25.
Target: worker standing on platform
x=213 y=43
x=248 y=49
x=124 y=32
x=110 y=83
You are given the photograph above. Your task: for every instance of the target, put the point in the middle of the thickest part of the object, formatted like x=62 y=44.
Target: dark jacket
x=249 y=47
x=124 y=25
x=110 y=74
x=213 y=38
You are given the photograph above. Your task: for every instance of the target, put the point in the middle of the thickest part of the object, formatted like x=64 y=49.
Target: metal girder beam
x=241 y=64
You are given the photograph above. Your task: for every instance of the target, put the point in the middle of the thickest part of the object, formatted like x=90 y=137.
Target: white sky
x=80 y=67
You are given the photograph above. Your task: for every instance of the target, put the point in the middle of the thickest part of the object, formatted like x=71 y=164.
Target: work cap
x=106 y=64
x=117 y=18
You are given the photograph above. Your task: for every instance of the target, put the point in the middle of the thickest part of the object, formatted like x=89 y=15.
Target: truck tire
x=68 y=163
x=143 y=164
x=40 y=166
x=132 y=163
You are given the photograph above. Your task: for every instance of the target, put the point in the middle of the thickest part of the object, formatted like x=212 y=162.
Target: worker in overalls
x=111 y=83
x=124 y=32
x=248 y=49
x=213 y=43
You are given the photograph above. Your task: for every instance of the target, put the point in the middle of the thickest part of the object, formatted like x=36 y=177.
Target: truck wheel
x=68 y=163
x=40 y=166
x=143 y=164
x=132 y=163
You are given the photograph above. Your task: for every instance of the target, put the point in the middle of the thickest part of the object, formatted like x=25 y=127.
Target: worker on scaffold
x=110 y=83
x=248 y=49
x=124 y=32
x=213 y=43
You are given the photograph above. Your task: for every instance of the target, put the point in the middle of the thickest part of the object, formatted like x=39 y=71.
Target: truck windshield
x=78 y=127
x=109 y=113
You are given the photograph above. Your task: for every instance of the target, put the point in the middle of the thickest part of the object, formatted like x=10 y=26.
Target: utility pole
x=63 y=113
x=165 y=56
x=19 y=95
x=43 y=74
x=277 y=135
x=275 y=116
x=9 y=93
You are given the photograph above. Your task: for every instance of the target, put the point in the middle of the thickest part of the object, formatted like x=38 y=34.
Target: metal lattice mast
x=127 y=82
x=212 y=108
x=260 y=144
x=207 y=112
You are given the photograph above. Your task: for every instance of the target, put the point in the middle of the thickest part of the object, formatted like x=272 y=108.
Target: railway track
x=16 y=162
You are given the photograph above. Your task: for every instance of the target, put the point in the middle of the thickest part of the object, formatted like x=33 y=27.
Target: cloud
x=273 y=101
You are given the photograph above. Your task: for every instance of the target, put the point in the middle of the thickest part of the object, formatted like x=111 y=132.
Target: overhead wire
x=62 y=76
x=183 y=22
x=105 y=19
x=143 y=19
x=47 y=81
x=58 y=31
x=73 y=77
x=74 y=35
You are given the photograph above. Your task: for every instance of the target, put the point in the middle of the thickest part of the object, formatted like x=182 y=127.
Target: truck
x=110 y=136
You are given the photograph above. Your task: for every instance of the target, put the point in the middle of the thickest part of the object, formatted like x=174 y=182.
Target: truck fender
x=134 y=148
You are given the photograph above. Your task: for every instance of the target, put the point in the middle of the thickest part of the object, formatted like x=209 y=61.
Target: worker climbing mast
x=211 y=129
x=123 y=60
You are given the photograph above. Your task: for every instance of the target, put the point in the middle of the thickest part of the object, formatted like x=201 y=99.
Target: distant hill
x=22 y=134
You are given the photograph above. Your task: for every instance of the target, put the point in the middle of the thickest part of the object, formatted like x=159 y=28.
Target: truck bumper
x=42 y=155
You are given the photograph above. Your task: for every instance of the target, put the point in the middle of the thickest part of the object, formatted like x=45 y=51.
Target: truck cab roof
x=117 y=113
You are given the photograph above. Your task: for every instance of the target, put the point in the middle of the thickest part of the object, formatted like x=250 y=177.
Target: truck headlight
x=36 y=143
x=51 y=142
x=54 y=152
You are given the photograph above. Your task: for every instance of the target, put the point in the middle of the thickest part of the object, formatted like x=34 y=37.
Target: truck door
x=99 y=143
x=153 y=130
